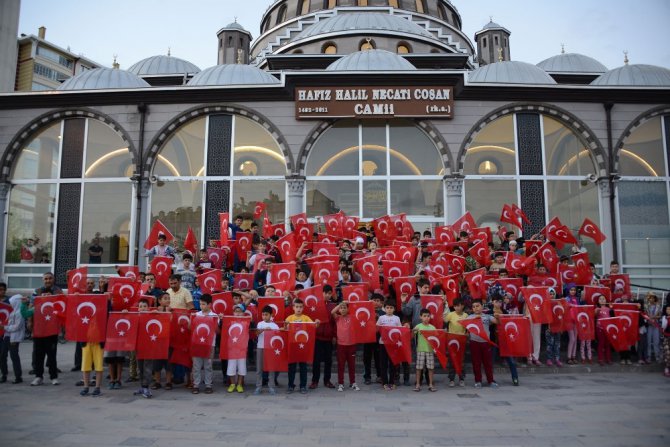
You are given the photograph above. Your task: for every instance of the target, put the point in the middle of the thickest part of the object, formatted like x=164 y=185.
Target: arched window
x=329 y=48
x=403 y=48
x=367 y=44
x=281 y=15
x=303 y=7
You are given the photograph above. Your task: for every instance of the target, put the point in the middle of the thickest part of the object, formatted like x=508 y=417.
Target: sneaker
x=355 y=387
x=132 y=379
x=96 y=391
x=559 y=364
x=84 y=392
x=628 y=362
x=515 y=382
x=387 y=388
x=146 y=393
x=367 y=381
x=290 y=390
x=623 y=362
x=55 y=382
x=79 y=383
x=452 y=384
x=461 y=383
x=406 y=382
x=340 y=387
x=111 y=385
x=329 y=385
x=257 y=392
x=75 y=369
x=240 y=389
x=231 y=388
x=273 y=391
x=208 y=390
x=37 y=381
x=117 y=385
x=493 y=384
x=478 y=385
x=303 y=390
x=550 y=363
x=313 y=385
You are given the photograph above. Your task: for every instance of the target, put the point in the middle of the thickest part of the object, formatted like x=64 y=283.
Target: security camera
x=591 y=178
x=153 y=179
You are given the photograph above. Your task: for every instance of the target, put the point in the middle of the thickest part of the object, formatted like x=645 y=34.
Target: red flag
x=561 y=235
x=475 y=327
x=224 y=220
x=625 y=306
x=591 y=230
x=130 y=271
x=368 y=268
x=234 y=338
x=325 y=273
x=86 y=318
x=444 y=234
x=620 y=285
x=397 y=341
x=475 y=280
x=404 y=284
x=511 y=286
x=259 y=209
x=538 y=303
x=561 y=316
x=349 y=225
x=435 y=305
x=301 y=337
x=364 y=322
x=182 y=357
x=631 y=319
x=480 y=253
x=456 y=350
x=394 y=269
x=592 y=294
x=548 y=257
x=279 y=230
x=222 y=303
x=210 y=281
x=283 y=273
x=217 y=257
x=481 y=234
x=191 y=243
x=438 y=341
x=520 y=214
x=156 y=230
x=508 y=215
x=303 y=233
x=5 y=310
x=125 y=292
x=355 y=291
x=203 y=335
x=553 y=224
x=440 y=264
x=464 y=223
x=76 y=280
x=287 y=247
x=532 y=247
x=252 y=312
x=180 y=329
x=324 y=248
x=568 y=273
x=315 y=303
x=384 y=228
x=49 y=313
x=243 y=281
x=514 y=337
x=161 y=267
x=268 y=231
x=244 y=240
x=275 y=350
x=616 y=333
x=407 y=254
x=456 y=263
x=299 y=219
x=153 y=335
x=584 y=317
x=121 y=331
x=333 y=224
x=277 y=305
x=451 y=287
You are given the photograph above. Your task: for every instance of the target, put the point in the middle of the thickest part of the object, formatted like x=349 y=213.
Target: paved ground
x=626 y=407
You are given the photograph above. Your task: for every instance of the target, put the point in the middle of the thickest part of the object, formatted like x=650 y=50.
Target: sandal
x=432 y=389
x=155 y=386
x=417 y=388
x=195 y=391
x=168 y=386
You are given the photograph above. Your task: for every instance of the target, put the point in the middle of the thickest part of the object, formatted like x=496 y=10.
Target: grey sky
x=136 y=29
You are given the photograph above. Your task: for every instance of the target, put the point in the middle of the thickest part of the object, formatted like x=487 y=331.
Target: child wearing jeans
x=144 y=367
x=262 y=326
x=387 y=366
x=346 y=348
x=204 y=363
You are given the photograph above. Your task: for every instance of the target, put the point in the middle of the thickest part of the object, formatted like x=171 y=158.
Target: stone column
x=454 y=200
x=4 y=208
x=296 y=191
x=143 y=219
x=606 y=218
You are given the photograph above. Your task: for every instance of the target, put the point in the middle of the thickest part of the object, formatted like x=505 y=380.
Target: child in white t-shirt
x=387 y=366
x=264 y=325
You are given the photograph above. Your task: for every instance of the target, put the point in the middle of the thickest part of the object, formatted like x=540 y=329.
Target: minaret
x=492 y=44
x=234 y=44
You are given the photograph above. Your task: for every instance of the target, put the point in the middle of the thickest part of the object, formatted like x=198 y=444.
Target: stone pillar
x=4 y=208
x=605 y=193
x=143 y=222
x=454 y=200
x=296 y=191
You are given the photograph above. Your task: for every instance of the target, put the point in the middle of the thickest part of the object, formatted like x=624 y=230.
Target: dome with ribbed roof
x=510 y=72
x=232 y=74
x=572 y=63
x=370 y=22
x=163 y=65
x=234 y=25
x=640 y=75
x=371 y=60
x=103 y=78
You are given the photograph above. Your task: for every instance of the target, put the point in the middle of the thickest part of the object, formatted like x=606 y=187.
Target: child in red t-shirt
x=346 y=348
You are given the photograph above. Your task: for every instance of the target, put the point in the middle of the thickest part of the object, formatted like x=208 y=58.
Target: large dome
x=572 y=63
x=232 y=74
x=371 y=60
x=510 y=72
x=370 y=22
x=163 y=65
x=635 y=75
x=103 y=78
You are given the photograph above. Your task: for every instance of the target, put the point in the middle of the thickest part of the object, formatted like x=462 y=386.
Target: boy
x=424 y=352
x=453 y=319
x=371 y=350
x=323 y=346
x=91 y=357
x=480 y=351
x=200 y=363
x=163 y=364
x=262 y=326
x=144 y=367
x=346 y=348
x=237 y=367
x=387 y=367
x=298 y=317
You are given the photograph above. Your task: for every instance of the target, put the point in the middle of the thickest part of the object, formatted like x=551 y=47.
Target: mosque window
x=495 y=40
x=367 y=44
x=329 y=48
x=484 y=42
x=281 y=15
x=394 y=3
x=403 y=48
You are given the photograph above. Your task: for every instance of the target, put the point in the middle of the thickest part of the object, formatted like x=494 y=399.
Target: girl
x=666 y=339
x=604 y=349
x=642 y=354
x=573 y=300
x=653 y=310
x=553 y=341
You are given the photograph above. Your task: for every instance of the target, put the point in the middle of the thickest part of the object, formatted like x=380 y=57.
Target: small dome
x=162 y=65
x=371 y=60
x=369 y=22
x=232 y=74
x=103 y=78
x=491 y=25
x=572 y=63
x=510 y=72
x=635 y=75
x=234 y=25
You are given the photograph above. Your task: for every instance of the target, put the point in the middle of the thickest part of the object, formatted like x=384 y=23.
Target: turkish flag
x=553 y=224
x=591 y=230
x=49 y=313
x=615 y=329
x=583 y=274
x=333 y=224
x=279 y=230
x=363 y=326
x=480 y=234
x=324 y=248
x=388 y=253
x=444 y=234
x=404 y=284
x=315 y=303
x=130 y=271
x=548 y=257
x=122 y=331
x=368 y=268
x=180 y=329
x=303 y=233
x=440 y=264
x=244 y=240
x=243 y=281
x=191 y=243
x=86 y=318
x=349 y=225
x=203 y=335
x=620 y=285
x=519 y=213
x=514 y=263
x=394 y=269
x=325 y=273
x=252 y=312
x=267 y=227
x=625 y=306
x=568 y=273
x=407 y=254
x=210 y=281
x=456 y=350
x=456 y=263
x=222 y=303
x=507 y=215
x=384 y=228
x=355 y=291
x=397 y=341
x=435 y=305
x=234 y=338
x=514 y=337
x=438 y=341
x=532 y=246
x=584 y=317
x=217 y=257
x=283 y=273
x=156 y=230
x=275 y=350
x=561 y=235
x=464 y=223
x=76 y=280
x=538 y=303
x=125 y=292
x=451 y=287
x=153 y=335
x=631 y=325
x=5 y=310
x=258 y=209
x=561 y=316
x=475 y=280
x=298 y=219
x=301 y=337
x=224 y=220
x=161 y=267
x=476 y=327
x=480 y=253
x=277 y=305
x=287 y=247
x=326 y=239
x=511 y=285
x=592 y=294
x=182 y=357
x=257 y=261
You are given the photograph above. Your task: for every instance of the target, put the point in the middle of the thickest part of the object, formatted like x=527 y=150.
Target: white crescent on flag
x=367 y=313
x=45 y=304
x=188 y=320
x=474 y=328
x=201 y=325
x=162 y=266
x=432 y=305
x=511 y=324
x=395 y=331
x=456 y=342
x=301 y=332
x=124 y=321
x=276 y=337
x=153 y=322
x=235 y=326
x=210 y=280
x=86 y=304
x=126 y=287
x=436 y=340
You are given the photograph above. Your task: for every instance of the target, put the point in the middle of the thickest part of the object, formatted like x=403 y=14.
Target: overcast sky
x=136 y=29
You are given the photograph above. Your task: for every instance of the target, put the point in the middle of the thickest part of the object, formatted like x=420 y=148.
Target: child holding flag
x=424 y=352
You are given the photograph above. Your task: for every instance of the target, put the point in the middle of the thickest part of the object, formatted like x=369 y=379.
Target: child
x=480 y=351
x=573 y=300
x=553 y=341
x=297 y=317
x=424 y=352
x=237 y=366
x=501 y=307
x=200 y=363
x=144 y=367
x=653 y=310
x=665 y=325
x=91 y=357
x=371 y=350
x=14 y=333
x=163 y=364
x=387 y=366
x=452 y=319
x=323 y=346
x=262 y=326
x=346 y=348
x=604 y=349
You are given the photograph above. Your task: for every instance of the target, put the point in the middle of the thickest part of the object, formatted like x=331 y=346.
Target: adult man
x=95 y=252
x=180 y=298
x=150 y=284
x=44 y=346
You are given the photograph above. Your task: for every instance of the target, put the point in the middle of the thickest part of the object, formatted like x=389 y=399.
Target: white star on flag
x=85 y=320
x=234 y=339
x=47 y=317
x=537 y=307
x=126 y=300
x=153 y=338
x=301 y=346
x=121 y=334
x=399 y=343
x=202 y=339
x=362 y=323
x=277 y=352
